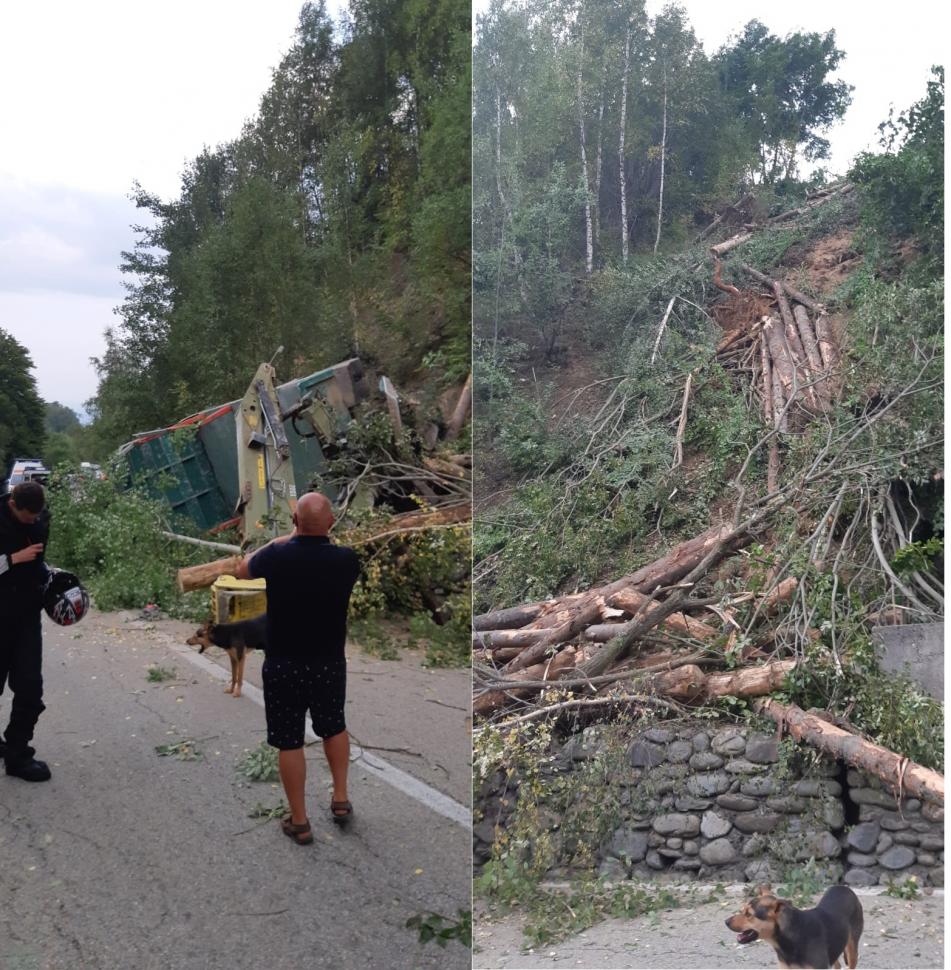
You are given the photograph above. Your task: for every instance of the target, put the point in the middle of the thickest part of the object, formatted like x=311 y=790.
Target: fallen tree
x=204 y=574
x=902 y=776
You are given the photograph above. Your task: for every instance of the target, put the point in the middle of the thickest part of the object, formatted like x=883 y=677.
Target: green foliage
x=780 y=88
x=158 y=674
x=60 y=419
x=890 y=709
x=112 y=540
x=374 y=640
x=905 y=889
x=184 y=750
x=803 y=883
x=22 y=433
x=261 y=811
x=259 y=764
x=448 y=644
x=903 y=188
x=917 y=556
x=432 y=927
x=335 y=223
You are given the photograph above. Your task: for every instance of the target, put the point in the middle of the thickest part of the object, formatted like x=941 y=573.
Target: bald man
x=309 y=581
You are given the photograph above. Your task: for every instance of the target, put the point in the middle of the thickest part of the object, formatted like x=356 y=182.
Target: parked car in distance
x=26 y=470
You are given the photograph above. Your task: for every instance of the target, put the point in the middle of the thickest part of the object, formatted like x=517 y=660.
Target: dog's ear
x=764 y=890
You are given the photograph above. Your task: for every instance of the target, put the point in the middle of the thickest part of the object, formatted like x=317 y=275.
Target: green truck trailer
x=195 y=465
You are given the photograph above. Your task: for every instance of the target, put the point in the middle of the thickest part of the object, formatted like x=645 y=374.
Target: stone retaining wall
x=725 y=804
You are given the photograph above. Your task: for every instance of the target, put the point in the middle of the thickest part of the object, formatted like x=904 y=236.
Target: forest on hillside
x=642 y=227
x=336 y=223
x=708 y=417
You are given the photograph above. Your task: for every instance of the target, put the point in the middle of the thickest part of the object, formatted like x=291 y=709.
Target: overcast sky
x=889 y=51
x=95 y=96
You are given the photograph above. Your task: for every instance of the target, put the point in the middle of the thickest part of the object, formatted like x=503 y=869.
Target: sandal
x=340 y=812
x=301 y=834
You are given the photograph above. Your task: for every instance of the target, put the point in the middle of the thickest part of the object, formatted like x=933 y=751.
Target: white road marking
x=433 y=799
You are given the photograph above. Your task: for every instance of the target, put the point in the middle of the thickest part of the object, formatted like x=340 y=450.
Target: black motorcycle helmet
x=64 y=599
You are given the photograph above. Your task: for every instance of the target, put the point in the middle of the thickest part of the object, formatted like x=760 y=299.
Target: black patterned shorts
x=292 y=687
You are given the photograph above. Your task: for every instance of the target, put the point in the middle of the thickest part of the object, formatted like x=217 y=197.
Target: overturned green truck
x=239 y=461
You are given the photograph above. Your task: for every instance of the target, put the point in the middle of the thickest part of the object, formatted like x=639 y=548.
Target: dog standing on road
x=816 y=937
x=235 y=638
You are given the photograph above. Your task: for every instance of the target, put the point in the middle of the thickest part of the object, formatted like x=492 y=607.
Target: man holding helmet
x=24 y=530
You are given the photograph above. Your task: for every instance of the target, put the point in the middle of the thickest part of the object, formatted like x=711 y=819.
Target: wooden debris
x=896 y=771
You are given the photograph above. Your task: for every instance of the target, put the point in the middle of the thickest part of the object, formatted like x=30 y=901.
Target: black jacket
x=21 y=586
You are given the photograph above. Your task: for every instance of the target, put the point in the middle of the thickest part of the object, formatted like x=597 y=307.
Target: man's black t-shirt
x=21 y=586
x=309 y=581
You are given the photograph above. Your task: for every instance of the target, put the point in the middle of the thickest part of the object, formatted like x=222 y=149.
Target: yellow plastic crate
x=237 y=599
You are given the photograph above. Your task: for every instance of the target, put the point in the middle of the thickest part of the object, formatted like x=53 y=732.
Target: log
x=808 y=336
x=204 y=574
x=508 y=619
x=795 y=345
x=495 y=639
x=782 y=365
x=552 y=670
x=582 y=618
x=749 y=681
x=771 y=417
x=824 y=339
x=631 y=601
x=666 y=571
x=793 y=293
x=724 y=247
x=461 y=412
x=781 y=593
x=900 y=774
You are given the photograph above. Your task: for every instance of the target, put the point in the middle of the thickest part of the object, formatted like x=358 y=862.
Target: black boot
x=24 y=765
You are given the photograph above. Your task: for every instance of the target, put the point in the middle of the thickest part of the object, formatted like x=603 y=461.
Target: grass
x=156 y=675
x=260 y=764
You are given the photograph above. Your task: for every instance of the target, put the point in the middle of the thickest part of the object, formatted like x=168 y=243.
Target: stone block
x=658 y=735
x=788 y=804
x=872 y=796
x=729 y=741
x=931 y=842
x=714 y=826
x=643 y=754
x=737 y=803
x=627 y=843
x=708 y=784
x=907 y=838
x=814 y=787
x=864 y=836
x=740 y=766
x=762 y=749
x=676 y=823
x=679 y=752
x=893 y=823
x=705 y=761
x=897 y=857
x=654 y=860
x=861 y=877
x=701 y=741
x=758 y=786
x=687 y=803
x=860 y=859
x=757 y=821
x=719 y=852
x=915 y=649
x=691 y=847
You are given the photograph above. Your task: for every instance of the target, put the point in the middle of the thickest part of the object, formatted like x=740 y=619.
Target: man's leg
x=293 y=770
x=337 y=752
x=26 y=684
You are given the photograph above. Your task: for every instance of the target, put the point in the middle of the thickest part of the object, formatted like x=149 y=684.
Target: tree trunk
x=461 y=411
x=898 y=773
x=663 y=160
x=589 y=232
x=620 y=152
x=492 y=700
x=204 y=574
x=633 y=602
x=513 y=617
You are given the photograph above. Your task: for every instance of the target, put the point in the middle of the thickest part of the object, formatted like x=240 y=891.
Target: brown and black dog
x=804 y=937
x=235 y=638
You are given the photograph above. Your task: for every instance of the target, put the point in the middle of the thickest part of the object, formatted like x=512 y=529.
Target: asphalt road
x=898 y=934
x=130 y=859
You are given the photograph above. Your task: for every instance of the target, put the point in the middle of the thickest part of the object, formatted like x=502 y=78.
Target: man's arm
x=244 y=567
